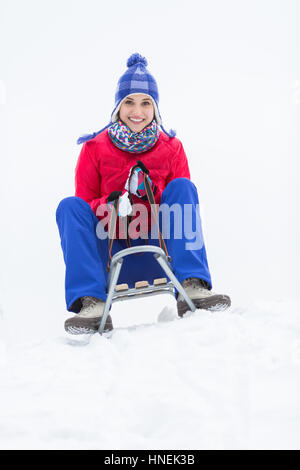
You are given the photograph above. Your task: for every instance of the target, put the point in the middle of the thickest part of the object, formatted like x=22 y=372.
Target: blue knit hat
x=136 y=79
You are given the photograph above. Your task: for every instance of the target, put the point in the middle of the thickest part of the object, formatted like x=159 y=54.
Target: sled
x=117 y=292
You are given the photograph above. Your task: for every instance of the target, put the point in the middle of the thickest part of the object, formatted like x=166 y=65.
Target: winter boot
x=199 y=293
x=87 y=321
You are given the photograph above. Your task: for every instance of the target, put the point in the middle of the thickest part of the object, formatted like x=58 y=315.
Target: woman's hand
x=125 y=207
x=135 y=183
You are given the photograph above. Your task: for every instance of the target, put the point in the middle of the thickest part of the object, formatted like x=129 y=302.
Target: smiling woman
x=137 y=111
x=110 y=183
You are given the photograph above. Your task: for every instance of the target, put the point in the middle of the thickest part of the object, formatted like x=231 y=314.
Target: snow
x=224 y=380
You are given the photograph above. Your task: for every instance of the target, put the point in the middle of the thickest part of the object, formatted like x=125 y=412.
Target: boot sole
x=214 y=303
x=86 y=326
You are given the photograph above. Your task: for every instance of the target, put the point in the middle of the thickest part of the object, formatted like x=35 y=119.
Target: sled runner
x=120 y=292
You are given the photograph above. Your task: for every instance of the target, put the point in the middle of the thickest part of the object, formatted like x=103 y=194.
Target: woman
x=106 y=173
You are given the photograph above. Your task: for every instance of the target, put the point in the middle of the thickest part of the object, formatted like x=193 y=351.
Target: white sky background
x=228 y=74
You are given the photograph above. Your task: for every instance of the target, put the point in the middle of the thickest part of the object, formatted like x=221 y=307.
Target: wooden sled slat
x=140 y=284
x=159 y=281
x=121 y=287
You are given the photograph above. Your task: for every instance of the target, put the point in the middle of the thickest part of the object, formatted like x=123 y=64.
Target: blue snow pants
x=86 y=255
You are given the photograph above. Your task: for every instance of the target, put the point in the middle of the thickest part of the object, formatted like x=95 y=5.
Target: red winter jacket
x=103 y=168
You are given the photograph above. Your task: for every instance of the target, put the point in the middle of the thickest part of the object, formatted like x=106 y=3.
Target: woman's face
x=137 y=112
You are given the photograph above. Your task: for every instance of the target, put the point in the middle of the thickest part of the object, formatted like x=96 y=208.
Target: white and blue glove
x=136 y=185
x=125 y=207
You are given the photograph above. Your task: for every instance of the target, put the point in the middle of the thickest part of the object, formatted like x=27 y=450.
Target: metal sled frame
x=165 y=288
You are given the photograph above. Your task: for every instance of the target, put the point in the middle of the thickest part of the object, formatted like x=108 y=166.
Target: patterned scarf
x=134 y=142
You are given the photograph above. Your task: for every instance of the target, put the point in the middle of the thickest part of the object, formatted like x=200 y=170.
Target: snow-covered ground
x=226 y=380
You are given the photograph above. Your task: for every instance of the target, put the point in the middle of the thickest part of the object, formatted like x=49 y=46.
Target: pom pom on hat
x=136 y=59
